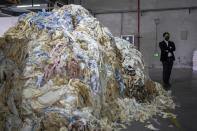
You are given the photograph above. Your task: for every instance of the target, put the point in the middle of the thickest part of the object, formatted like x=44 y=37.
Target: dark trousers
x=167 y=68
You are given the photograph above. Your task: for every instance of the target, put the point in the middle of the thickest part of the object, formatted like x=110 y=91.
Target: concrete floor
x=184 y=92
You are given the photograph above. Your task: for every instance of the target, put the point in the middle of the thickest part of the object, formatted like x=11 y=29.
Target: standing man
x=167 y=57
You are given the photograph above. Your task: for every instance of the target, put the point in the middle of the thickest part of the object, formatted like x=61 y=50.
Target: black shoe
x=168 y=84
x=168 y=88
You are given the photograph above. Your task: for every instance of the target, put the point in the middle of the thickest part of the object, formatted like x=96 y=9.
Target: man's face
x=167 y=37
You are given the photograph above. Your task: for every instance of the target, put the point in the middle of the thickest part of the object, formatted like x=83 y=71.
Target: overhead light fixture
x=25 y=6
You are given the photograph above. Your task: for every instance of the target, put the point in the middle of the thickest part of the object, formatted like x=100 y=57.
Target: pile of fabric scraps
x=62 y=70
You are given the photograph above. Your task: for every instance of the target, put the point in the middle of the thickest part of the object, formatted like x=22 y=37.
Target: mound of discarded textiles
x=62 y=70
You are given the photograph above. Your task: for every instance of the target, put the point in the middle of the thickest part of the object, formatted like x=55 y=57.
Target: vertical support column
x=32 y=2
x=121 y=24
x=157 y=21
x=138 y=37
x=80 y=2
x=156 y=38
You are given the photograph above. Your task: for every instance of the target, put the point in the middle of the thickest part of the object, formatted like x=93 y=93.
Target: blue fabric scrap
x=109 y=35
x=78 y=17
x=120 y=81
x=51 y=21
x=81 y=78
x=40 y=81
x=1 y=60
x=22 y=16
x=44 y=54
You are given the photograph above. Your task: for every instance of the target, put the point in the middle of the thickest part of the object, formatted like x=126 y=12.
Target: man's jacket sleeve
x=172 y=47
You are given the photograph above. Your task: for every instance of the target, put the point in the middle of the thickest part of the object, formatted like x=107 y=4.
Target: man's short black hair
x=166 y=33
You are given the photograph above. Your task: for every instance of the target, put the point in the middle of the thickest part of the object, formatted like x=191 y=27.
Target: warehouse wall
x=104 y=5
x=175 y=22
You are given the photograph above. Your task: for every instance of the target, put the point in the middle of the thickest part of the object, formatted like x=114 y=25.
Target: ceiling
x=7 y=6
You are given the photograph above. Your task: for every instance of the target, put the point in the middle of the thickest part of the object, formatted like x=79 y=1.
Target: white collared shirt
x=169 y=53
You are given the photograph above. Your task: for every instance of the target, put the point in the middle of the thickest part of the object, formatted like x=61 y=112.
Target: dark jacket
x=165 y=49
